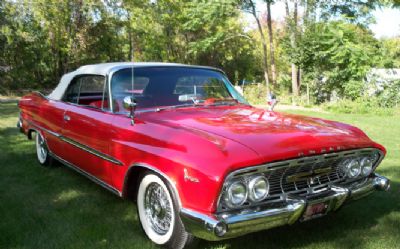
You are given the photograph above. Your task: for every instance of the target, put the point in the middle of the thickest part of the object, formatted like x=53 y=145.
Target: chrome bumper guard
x=233 y=224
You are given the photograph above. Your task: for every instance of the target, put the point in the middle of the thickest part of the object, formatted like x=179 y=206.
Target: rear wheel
x=158 y=213
x=42 y=151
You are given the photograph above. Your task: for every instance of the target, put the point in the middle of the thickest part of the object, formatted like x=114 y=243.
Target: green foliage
x=335 y=56
x=386 y=102
x=390 y=95
x=256 y=94
x=390 y=50
x=359 y=106
x=45 y=39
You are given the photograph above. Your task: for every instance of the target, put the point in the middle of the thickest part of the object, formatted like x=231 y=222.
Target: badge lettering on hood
x=309 y=176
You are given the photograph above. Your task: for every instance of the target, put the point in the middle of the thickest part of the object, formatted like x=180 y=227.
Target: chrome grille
x=279 y=184
x=278 y=173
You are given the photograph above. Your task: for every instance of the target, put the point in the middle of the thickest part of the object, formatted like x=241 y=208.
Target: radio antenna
x=133 y=100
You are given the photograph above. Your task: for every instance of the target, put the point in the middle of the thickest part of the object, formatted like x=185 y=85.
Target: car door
x=87 y=128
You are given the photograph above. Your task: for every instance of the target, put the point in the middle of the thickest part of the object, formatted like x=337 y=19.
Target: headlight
x=366 y=166
x=353 y=168
x=236 y=194
x=375 y=157
x=258 y=188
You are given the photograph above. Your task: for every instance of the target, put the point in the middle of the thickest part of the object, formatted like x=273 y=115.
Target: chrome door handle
x=66 y=117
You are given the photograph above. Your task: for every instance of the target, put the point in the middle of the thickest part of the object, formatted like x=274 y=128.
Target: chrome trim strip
x=91 y=150
x=41 y=94
x=117 y=68
x=79 y=145
x=301 y=160
x=44 y=129
x=90 y=176
x=84 y=173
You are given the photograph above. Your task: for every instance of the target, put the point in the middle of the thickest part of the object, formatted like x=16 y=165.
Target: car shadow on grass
x=58 y=208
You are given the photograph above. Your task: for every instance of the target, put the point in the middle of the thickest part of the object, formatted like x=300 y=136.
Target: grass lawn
x=58 y=208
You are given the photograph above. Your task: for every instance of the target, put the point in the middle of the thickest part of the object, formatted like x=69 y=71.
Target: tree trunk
x=292 y=25
x=271 y=43
x=299 y=74
x=264 y=44
x=295 y=86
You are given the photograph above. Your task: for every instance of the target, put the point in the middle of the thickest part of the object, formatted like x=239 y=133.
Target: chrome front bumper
x=229 y=225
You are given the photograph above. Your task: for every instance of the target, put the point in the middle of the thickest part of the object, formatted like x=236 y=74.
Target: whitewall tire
x=158 y=213
x=42 y=151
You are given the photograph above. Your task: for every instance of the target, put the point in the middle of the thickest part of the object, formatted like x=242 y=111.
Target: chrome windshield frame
x=228 y=85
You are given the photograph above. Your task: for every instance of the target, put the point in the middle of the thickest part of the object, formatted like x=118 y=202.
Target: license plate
x=315 y=210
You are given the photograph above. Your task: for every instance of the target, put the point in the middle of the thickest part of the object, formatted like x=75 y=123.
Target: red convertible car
x=194 y=155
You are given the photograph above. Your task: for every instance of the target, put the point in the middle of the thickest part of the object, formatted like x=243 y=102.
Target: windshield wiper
x=198 y=103
x=219 y=102
x=175 y=106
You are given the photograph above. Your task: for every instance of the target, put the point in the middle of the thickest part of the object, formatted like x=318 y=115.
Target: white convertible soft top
x=104 y=69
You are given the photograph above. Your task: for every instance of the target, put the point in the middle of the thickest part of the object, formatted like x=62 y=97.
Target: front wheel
x=158 y=214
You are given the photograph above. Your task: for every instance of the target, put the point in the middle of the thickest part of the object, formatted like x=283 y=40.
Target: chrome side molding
x=84 y=173
x=79 y=145
x=91 y=150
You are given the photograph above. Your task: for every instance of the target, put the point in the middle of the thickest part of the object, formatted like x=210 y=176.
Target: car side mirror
x=130 y=104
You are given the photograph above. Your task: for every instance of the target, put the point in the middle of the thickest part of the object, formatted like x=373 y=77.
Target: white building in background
x=379 y=78
x=5 y=69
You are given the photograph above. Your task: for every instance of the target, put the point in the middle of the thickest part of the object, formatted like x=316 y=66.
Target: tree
x=292 y=21
x=390 y=50
x=336 y=56
x=43 y=39
x=271 y=41
x=249 y=5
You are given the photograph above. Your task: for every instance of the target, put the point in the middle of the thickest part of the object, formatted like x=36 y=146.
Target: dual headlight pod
x=355 y=167
x=254 y=189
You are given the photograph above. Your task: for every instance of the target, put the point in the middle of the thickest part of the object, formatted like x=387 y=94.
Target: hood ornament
x=271 y=101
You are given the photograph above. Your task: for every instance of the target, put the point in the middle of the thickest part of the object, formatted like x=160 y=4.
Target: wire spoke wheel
x=158 y=208
x=41 y=148
x=158 y=215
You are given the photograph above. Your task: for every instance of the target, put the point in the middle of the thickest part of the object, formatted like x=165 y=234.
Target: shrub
x=255 y=94
x=390 y=95
x=360 y=106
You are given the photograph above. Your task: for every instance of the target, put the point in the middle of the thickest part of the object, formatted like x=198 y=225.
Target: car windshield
x=172 y=87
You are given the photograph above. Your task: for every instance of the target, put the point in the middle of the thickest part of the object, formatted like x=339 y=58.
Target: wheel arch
x=131 y=184
x=29 y=133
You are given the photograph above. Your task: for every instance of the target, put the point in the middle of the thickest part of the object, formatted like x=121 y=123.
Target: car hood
x=272 y=135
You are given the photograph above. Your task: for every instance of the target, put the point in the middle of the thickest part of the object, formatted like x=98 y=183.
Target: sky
x=387 y=23
x=387 y=20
